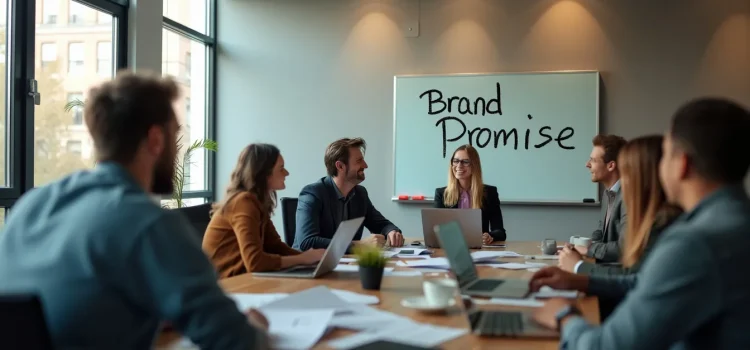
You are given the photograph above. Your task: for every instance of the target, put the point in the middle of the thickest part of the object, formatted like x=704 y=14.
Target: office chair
x=22 y=323
x=289 y=217
x=198 y=215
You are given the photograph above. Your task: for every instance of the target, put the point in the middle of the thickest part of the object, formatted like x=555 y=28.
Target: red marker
x=418 y=198
x=403 y=197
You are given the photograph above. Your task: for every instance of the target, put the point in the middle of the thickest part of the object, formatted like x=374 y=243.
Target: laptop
x=515 y=324
x=335 y=251
x=470 y=221
x=462 y=264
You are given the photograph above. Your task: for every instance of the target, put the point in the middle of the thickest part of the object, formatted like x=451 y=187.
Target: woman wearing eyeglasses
x=466 y=190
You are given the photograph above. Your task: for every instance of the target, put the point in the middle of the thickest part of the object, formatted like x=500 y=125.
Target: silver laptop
x=514 y=324
x=470 y=221
x=462 y=264
x=335 y=251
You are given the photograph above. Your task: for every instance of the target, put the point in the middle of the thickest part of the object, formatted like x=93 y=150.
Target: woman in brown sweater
x=241 y=237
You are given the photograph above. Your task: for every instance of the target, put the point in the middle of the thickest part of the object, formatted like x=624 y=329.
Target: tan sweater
x=242 y=238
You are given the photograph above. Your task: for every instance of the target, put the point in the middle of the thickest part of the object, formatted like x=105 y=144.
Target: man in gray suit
x=605 y=246
x=689 y=293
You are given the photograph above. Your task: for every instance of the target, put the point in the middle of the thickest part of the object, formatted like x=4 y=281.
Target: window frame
x=20 y=75
x=209 y=40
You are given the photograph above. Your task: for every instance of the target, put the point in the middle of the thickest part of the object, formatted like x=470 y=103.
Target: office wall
x=301 y=73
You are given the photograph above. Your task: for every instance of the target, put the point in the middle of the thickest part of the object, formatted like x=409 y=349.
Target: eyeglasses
x=464 y=162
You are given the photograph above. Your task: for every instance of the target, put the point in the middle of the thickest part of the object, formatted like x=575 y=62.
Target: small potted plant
x=371 y=265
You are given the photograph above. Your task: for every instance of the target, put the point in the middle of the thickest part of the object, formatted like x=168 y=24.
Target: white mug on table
x=439 y=292
x=579 y=240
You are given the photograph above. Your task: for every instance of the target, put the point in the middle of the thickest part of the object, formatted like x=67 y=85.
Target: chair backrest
x=289 y=217
x=22 y=323
x=198 y=215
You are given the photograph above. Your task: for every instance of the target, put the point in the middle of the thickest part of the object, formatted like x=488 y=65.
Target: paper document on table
x=355 y=268
x=388 y=254
x=415 y=334
x=547 y=292
x=361 y=317
x=542 y=257
x=246 y=301
x=319 y=297
x=439 y=263
x=533 y=300
x=293 y=329
x=355 y=298
x=347 y=260
x=408 y=273
x=515 y=266
x=492 y=255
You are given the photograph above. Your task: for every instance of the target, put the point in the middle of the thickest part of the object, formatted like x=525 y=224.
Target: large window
x=55 y=51
x=187 y=55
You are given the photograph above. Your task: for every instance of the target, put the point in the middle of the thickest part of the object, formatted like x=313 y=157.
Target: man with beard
x=107 y=263
x=323 y=205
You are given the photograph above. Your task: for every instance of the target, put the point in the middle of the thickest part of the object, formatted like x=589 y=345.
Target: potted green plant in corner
x=180 y=175
x=371 y=265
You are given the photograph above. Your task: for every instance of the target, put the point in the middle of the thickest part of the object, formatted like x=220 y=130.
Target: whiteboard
x=533 y=132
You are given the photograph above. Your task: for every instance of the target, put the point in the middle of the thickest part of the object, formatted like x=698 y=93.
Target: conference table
x=395 y=288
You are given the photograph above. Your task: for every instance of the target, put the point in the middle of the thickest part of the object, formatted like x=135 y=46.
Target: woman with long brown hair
x=241 y=237
x=467 y=190
x=645 y=201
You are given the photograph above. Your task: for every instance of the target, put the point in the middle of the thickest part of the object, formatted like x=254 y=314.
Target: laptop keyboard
x=497 y=323
x=484 y=285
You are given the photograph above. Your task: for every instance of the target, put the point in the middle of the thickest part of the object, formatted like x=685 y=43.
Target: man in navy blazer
x=324 y=204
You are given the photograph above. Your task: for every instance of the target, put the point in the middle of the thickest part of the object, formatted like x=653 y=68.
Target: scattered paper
x=533 y=300
x=355 y=298
x=477 y=256
x=347 y=260
x=355 y=268
x=246 y=301
x=389 y=254
x=415 y=334
x=362 y=317
x=516 y=266
x=292 y=329
x=413 y=256
x=409 y=273
x=315 y=298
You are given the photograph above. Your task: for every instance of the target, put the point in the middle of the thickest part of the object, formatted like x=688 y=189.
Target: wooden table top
x=395 y=288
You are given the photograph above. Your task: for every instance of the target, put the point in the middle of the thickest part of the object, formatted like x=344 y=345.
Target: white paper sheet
x=362 y=317
x=409 y=273
x=482 y=255
x=355 y=268
x=246 y=301
x=515 y=266
x=416 y=334
x=534 y=300
x=347 y=260
x=295 y=329
x=315 y=298
x=355 y=298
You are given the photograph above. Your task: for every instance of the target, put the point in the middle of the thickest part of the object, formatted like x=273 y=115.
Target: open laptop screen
x=457 y=252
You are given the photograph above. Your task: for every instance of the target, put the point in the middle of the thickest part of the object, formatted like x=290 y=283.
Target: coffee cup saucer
x=419 y=302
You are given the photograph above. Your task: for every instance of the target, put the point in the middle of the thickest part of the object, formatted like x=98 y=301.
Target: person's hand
x=583 y=250
x=555 y=278
x=257 y=319
x=568 y=258
x=375 y=239
x=311 y=256
x=545 y=315
x=486 y=238
x=395 y=239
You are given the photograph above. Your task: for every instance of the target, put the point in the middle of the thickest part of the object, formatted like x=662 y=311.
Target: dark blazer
x=663 y=219
x=605 y=240
x=492 y=216
x=318 y=214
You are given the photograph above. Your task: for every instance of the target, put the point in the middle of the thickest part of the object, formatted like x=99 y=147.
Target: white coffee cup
x=584 y=241
x=439 y=292
x=579 y=240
